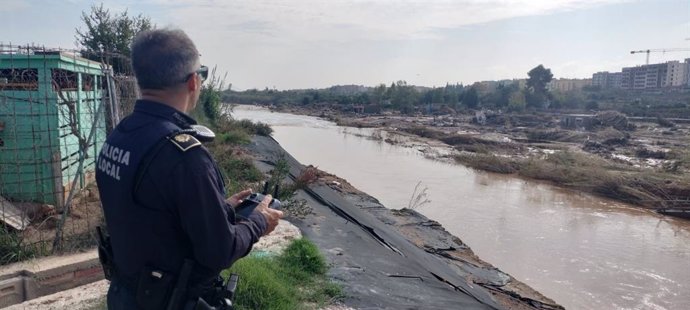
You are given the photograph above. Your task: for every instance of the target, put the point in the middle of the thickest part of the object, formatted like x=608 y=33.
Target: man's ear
x=193 y=83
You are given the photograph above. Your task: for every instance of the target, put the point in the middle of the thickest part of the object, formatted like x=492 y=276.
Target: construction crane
x=663 y=50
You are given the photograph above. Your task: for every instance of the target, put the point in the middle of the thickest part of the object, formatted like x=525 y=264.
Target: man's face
x=196 y=92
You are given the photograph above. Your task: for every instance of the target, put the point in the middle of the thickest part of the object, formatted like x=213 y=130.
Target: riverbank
x=645 y=164
x=393 y=258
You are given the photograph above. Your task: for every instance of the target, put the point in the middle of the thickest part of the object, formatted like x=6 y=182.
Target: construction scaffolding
x=56 y=109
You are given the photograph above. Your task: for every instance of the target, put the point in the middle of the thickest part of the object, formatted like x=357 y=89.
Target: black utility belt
x=160 y=290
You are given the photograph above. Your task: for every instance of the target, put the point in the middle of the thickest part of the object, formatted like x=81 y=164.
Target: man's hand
x=272 y=216
x=236 y=199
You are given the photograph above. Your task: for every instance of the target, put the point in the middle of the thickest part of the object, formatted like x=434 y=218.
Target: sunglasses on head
x=202 y=72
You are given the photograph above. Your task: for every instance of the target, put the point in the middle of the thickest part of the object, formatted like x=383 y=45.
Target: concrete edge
x=28 y=280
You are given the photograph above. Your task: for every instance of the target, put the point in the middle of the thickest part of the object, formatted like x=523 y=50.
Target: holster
x=154 y=289
x=221 y=298
x=105 y=254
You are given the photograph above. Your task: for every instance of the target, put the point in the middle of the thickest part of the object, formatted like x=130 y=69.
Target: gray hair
x=162 y=58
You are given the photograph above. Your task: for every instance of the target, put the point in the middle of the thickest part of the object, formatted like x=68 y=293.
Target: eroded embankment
x=395 y=258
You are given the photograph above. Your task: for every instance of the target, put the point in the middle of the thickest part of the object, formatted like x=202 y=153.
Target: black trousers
x=120 y=297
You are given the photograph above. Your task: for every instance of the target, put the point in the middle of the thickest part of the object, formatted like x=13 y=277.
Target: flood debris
x=642 y=161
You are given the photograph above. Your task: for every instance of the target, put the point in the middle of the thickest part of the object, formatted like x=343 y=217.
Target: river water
x=582 y=251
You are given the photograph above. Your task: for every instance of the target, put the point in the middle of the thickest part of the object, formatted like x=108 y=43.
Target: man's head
x=166 y=63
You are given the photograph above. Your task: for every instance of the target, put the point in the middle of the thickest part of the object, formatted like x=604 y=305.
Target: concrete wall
x=22 y=285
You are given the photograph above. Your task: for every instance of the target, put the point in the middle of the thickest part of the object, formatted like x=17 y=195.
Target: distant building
x=485 y=86
x=663 y=75
x=521 y=83
x=577 y=121
x=645 y=77
x=686 y=79
x=490 y=86
x=676 y=74
x=607 y=79
x=564 y=85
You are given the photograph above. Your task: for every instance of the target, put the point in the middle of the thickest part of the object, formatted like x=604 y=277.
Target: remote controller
x=250 y=203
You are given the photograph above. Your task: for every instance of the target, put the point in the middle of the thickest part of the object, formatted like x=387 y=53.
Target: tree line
x=407 y=99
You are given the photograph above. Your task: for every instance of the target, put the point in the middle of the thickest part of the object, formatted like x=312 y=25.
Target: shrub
x=234 y=137
x=302 y=259
x=293 y=280
x=556 y=135
x=664 y=122
x=647 y=153
x=13 y=249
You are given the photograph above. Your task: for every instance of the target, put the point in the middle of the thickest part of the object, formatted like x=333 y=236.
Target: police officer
x=162 y=192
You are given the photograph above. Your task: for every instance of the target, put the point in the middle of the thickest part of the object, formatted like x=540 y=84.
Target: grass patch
x=424 y=132
x=459 y=139
x=680 y=162
x=14 y=249
x=488 y=162
x=226 y=124
x=294 y=280
x=588 y=173
x=234 y=136
x=238 y=170
x=556 y=135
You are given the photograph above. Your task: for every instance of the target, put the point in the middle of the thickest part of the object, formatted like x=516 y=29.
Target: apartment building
x=686 y=79
x=645 y=77
x=607 y=79
x=663 y=75
x=676 y=74
x=564 y=85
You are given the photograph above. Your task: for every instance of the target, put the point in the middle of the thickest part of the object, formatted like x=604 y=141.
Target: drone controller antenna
x=265 y=191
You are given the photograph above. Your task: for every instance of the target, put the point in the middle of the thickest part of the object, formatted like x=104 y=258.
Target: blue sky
x=311 y=44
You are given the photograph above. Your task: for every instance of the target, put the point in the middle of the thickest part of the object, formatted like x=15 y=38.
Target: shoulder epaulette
x=184 y=141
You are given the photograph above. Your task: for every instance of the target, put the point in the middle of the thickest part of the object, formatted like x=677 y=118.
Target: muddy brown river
x=585 y=252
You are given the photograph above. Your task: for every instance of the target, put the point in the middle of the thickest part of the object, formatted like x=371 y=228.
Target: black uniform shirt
x=170 y=206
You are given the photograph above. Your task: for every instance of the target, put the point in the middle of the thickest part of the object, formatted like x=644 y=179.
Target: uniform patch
x=182 y=138
x=184 y=141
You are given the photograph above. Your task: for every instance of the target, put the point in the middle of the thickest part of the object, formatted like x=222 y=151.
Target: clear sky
x=319 y=43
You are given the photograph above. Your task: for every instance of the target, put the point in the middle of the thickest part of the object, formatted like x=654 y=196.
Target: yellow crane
x=662 y=50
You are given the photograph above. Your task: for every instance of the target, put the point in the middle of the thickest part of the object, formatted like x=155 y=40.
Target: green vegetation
x=279 y=175
x=296 y=279
x=536 y=93
x=530 y=93
x=107 y=37
x=14 y=249
x=592 y=174
x=488 y=162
